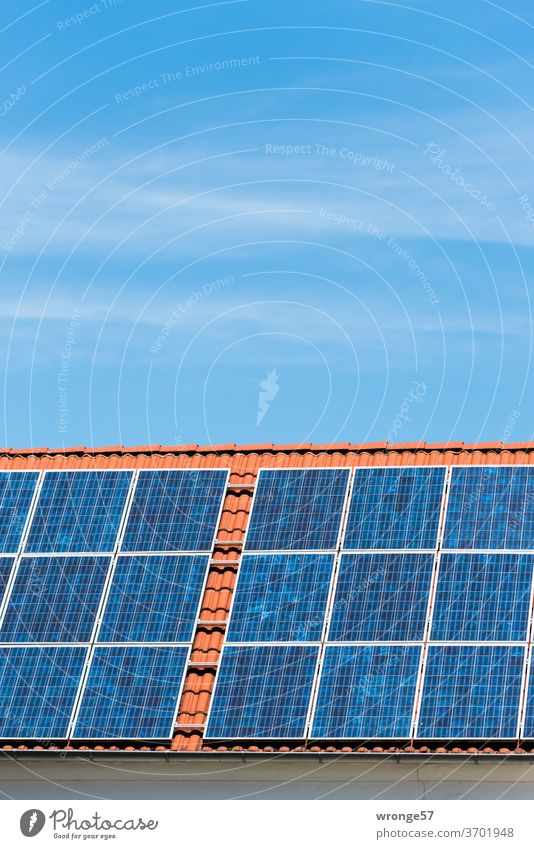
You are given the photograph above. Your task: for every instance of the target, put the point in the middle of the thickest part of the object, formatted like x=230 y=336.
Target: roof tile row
x=267 y=447
x=191 y=740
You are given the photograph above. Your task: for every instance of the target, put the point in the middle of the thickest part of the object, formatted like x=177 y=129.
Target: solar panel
x=482 y=597
x=54 y=599
x=381 y=597
x=131 y=692
x=262 y=692
x=175 y=510
x=16 y=493
x=154 y=599
x=395 y=508
x=471 y=692
x=38 y=687
x=366 y=692
x=78 y=512
x=281 y=597
x=297 y=509
x=490 y=507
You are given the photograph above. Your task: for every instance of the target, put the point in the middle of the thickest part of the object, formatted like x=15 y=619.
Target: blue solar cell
x=281 y=597
x=131 y=693
x=483 y=597
x=297 y=509
x=38 y=687
x=471 y=692
x=490 y=507
x=154 y=599
x=262 y=692
x=528 y=720
x=381 y=597
x=395 y=508
x=6 y=565
x=16 y=493
x=54 y=599
x=175 y=510
x=78 y=512
x=366 y=692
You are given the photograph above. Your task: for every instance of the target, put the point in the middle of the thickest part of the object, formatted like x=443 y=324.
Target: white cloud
x=147 y=201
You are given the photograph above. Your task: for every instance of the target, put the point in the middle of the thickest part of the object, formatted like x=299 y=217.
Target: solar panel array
x=382 y=603
x=371 y=603
x=102 y=574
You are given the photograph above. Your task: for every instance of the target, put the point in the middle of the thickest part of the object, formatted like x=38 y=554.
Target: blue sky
x=256 y=222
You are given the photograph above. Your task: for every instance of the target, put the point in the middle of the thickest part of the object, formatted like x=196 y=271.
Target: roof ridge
x=270 y=447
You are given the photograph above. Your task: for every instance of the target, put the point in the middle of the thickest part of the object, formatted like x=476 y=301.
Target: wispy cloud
x=221 y=196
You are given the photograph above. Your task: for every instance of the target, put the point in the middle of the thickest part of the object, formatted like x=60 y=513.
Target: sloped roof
x=244 y=462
